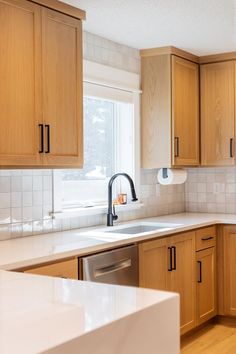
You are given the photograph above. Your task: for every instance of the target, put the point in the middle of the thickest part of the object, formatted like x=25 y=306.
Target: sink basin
x=136 y=229
x=139 y=228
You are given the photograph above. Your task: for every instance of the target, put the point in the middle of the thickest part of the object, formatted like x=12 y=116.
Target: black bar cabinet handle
x=170 y=259
x=47 y=127
x=174 y=248
x=41 y=150
x=200 y=272
x=176 y=146
x=207 y=238
x=231 y=148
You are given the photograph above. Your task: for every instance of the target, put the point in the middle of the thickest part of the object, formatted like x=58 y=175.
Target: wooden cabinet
x=229 y=270
x=62 y=88
x=206 y=274
x=41 y=86
x=218 y=114
x=66 y=269
x=169 y=264
x=153 y=264
x=182 y=277
x=170 y=110
x=185 y=112
x=20 y=85
x=206 y=285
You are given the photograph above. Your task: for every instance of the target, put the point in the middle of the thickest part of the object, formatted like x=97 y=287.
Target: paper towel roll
x=171 y=176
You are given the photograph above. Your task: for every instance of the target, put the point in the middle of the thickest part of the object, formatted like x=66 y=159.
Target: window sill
x=96 y=210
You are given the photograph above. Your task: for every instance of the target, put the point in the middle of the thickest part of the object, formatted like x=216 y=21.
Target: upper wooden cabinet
x=218 y=114
x=41 y=86
x=185 y=112
x=62 y=88
x=20 y=84
x=170 y=110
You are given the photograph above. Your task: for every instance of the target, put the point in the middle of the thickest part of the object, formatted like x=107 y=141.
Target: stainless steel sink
x=139 y=228
x=136 y=229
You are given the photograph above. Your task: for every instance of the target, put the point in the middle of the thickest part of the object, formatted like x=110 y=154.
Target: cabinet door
x=206 y=285
x=185 y=112
x=67 y=269
x=217 y=114
x=153 y=264
x=20 y=89
x=229 y=244
x=62 y=89
x=183 y=277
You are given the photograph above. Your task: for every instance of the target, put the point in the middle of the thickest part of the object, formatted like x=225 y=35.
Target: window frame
x=124 y=81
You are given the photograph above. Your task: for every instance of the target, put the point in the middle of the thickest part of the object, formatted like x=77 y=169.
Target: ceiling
x=198 y=26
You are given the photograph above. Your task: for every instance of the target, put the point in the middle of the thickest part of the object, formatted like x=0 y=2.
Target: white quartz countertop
x=33 y=250
x=51 y=315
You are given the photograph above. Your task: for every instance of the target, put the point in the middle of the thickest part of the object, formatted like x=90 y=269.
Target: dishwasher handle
x=113 y=267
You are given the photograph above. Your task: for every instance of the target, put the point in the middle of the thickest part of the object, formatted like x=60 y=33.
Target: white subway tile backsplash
x=37 y=183
x=5 y=185
x=217 y=194
x=27 y=199
x=37 y=198
x=27 y=183
x=16 y=199
x=37 y=213
x=16 y=183
x=16 y=215
x=5 y=200
x=47 y=183
x=27 y=214
x=5 y=216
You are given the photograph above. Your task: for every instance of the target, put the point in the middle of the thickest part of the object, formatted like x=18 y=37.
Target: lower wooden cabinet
x=182 y=277
x=169 y=264
x=206 y=285
x=66 y=269
x=229 y=270
x=153 y=264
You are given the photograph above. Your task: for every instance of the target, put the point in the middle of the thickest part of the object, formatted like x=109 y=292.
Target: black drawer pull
x=174 y=248
x=170 y=259
x=176 y=146
x=200 y=272
x=231 y=148
x=41 y=149
x=47 y=127
x=207 y=238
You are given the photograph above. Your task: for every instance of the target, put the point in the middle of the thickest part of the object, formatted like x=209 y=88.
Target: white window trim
x=118 y=79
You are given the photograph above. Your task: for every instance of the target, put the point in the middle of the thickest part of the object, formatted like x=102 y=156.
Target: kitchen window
x=111 y=145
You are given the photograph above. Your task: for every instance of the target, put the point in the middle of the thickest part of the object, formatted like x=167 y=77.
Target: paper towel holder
x=164 y=173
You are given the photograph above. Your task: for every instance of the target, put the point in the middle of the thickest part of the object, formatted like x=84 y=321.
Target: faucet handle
x=115 y=217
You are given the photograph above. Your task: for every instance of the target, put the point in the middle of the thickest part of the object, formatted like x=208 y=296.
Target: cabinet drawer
x=205 y=238
x=66 y=269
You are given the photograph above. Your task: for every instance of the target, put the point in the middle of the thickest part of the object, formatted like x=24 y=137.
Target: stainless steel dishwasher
x=119 y=266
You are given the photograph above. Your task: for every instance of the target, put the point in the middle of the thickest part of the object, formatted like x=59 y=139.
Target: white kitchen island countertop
x=33 y=250
x=57 y=316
